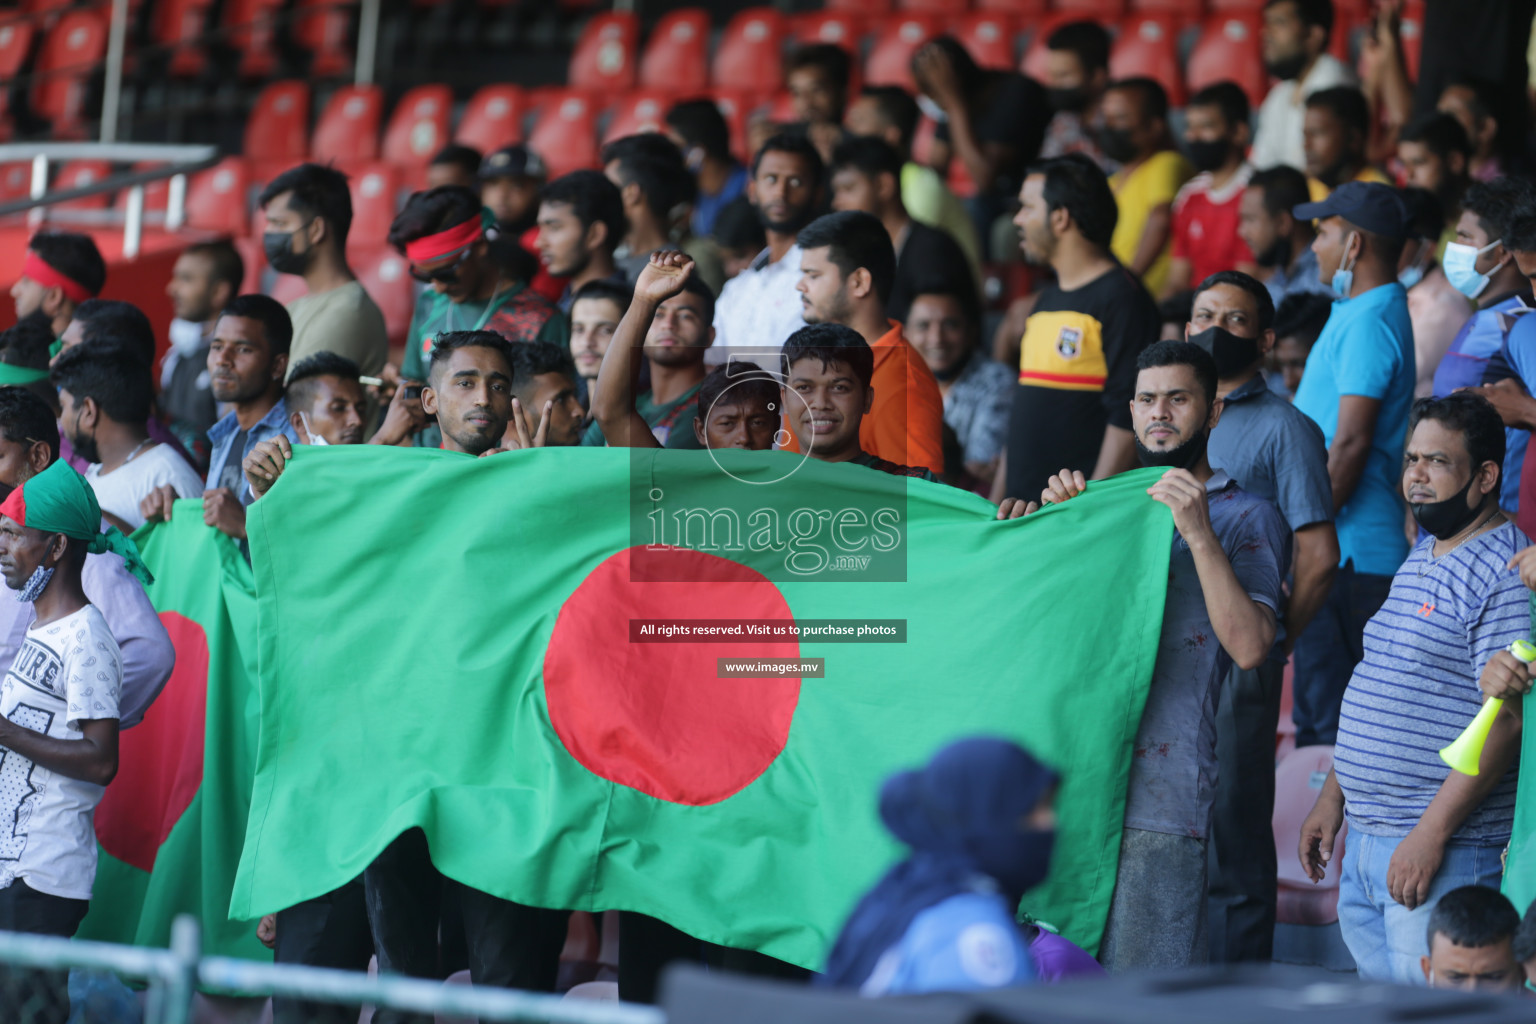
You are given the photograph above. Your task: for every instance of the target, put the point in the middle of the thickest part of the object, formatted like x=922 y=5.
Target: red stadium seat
x=375 y=192
x=988 y=37
x=15 y=181
x=1148 y=47
x=277 y=131
x=251 y=27
x=604 y=58
x=781 y=109
x=676 y=56
x=287 y=288
x=324 y=28
x=179 y=25
x=566 y=135
x=1106 y=11
x=216 y=198
x=1298 y=780
x=78 y=174
x=1412 y=34
x=890 y=56
x=736 y=107
x=1033 y=8
x=1184 y=12
x=1229 y=50
x=72 y=51
x=348 y=130
x=861 y=7
x=1035 y=60
x=418 y=128
x=930 y=6
x=840 y=27
x=749 y=56
x=386 y=277
x=638 y=112
x=493 y=118
x=156 y=193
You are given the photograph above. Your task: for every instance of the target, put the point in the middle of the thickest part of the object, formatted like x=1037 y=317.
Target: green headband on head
x=60 y=500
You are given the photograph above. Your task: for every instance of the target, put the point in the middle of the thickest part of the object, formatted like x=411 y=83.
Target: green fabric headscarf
x=60 y=500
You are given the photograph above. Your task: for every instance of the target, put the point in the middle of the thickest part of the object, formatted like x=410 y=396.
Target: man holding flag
x=58 y=711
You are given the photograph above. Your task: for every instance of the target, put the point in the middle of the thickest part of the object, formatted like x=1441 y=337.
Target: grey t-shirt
x=1173 y=770
x=1276 y=452
x=345 y=321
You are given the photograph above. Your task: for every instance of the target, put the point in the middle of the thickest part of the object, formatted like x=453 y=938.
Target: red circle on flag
x=654 y=716
x=160 y=761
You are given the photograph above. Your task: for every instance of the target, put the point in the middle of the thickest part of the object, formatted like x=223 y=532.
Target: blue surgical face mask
x=1460 y=265
x=1412 y=274
x=1344 y=277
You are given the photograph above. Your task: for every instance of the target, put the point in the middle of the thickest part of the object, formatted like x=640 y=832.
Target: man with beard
x=206 y=276
x=544 y=384
x=106 y=392
x=944 y=325
x=1224 y=579
x=581 y=223
x=1436 y=153
x=1280 y=242
x=675 y=309
x=1077 y=360
x=309 y=212
x=247 y=362
x=1335 y=130
x=61 y=270
x=1295 y=41
x=760 y=307
x=1206 y=211
x=1357 y=388
x=1274 y=452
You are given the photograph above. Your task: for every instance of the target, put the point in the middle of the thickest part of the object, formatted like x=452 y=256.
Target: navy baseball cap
x=512 y=162
x=1369 y=206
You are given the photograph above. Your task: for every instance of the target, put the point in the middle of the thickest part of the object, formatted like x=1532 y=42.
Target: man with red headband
x=61 y=271
x=58 y=715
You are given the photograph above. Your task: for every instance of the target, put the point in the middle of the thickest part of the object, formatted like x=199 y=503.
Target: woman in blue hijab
x=980 y=820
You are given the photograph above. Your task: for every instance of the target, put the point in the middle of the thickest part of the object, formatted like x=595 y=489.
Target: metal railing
x=177 y=162
x=174 y=975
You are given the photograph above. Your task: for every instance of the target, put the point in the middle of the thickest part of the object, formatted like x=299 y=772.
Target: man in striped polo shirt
x=1417 y=829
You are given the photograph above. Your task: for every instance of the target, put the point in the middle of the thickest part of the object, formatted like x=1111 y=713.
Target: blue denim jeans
x=1329 y=649
x=1386 y=938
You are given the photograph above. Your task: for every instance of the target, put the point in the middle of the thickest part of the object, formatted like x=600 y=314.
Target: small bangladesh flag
x=556 y=663
x=171 y=824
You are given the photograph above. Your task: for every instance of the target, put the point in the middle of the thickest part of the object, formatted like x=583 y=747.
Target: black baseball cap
x=1369 y=206
x=512 y=162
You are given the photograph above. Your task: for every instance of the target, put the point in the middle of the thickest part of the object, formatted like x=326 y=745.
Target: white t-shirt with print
x=67 y=672
x=120 y=491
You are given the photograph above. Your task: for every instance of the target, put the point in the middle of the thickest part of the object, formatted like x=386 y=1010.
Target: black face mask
x=1185 y=456
x=1277 y=255
x=278 y=246
x=1208 y=156
x=1117 y=145
x=1287 y=68
x=1445 y=519
x=1071 y=101
x=1232 y=354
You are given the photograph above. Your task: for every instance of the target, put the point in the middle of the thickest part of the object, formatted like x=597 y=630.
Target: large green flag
x=170 y=826
x=520 y=655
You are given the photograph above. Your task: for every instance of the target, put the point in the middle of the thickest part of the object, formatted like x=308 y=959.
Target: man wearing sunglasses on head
x=475 y=280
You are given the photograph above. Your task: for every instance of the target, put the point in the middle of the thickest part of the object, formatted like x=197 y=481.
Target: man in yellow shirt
x=1334 y=132
x=1136 y=136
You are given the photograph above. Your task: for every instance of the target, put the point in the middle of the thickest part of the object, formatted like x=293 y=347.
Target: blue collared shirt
x=223 y=433
x=1282 y=283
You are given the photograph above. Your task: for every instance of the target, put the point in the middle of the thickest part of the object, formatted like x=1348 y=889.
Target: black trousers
x=509 y=945
x=28 y=995
x=647 y=946
x=327 y=931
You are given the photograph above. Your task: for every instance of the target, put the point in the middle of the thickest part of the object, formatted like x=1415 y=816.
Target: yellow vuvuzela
x=1465 y=754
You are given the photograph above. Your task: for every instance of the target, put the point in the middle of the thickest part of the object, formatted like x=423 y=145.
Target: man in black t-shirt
x=1077 y=360
x=866 y=176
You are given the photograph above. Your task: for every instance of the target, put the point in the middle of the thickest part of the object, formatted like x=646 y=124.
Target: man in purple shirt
x=29 y=444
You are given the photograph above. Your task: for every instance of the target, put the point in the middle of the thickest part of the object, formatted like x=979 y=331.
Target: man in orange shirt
x=847 y=265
